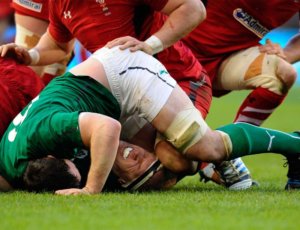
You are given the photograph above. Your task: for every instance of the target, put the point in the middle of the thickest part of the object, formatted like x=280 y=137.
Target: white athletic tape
x=187 y=128
x=155 y=43
x=35 y=56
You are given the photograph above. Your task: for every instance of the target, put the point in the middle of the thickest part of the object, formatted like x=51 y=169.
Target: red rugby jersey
x=18 y=86
x=234 y=25
x=95 y=22
x=35 y=8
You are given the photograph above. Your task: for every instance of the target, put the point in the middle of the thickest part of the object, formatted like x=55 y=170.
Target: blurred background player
x=6 y=22
x=32 y=20
x=233 y=60
x=18 y=86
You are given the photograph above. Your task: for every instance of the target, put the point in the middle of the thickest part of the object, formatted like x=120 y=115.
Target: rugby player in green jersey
x=81 y=109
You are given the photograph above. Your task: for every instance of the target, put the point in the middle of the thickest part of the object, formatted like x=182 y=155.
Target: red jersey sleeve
x=37 y=8
x=56 y=28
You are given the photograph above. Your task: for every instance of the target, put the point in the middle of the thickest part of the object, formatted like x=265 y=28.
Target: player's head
x=50 y=174
x=139 y=169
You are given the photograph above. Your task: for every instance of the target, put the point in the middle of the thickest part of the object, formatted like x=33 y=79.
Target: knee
x=209 y=149
x=212 y=155
x=286 y=73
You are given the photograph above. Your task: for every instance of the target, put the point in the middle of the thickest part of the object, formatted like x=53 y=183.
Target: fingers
x=143 y=47
x=71 y=191
x=5 y=48
x=19 y=53
x=121 y=41
x=130 y=42
x=272 y=48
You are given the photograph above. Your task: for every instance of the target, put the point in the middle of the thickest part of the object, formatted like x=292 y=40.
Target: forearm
x=180 y=22
x=50 y=51
x=102 y=161
x=174 y=160
x=292 y=49
x=104 y=145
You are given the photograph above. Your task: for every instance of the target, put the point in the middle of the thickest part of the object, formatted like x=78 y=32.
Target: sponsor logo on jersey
x=250 y=22
x=34 y=6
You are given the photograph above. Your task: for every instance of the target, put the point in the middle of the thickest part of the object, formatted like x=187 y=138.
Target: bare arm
x=291 y=52
x=184 y=16
x=101 y=134
x=47 y=51
x=51 y=51
x=173 y=160
x=292 y=49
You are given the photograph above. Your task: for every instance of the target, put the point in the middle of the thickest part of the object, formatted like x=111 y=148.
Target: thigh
x=199 y=92
x=246 y=69
x=140 y=83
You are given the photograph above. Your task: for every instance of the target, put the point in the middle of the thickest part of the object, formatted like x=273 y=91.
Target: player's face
x=72 y=169
x=131 y=162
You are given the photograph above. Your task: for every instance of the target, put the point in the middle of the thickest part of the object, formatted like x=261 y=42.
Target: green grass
x=189 y=205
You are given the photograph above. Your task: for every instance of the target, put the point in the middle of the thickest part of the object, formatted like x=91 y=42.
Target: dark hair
x=48 y=174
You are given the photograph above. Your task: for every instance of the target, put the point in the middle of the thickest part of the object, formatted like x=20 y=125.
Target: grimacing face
x=131 y=162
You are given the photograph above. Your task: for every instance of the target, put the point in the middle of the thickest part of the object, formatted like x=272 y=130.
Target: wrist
x=34 y=55
x=155 y=43
x=86 y=191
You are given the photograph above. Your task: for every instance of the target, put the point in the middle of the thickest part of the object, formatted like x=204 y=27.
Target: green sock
x=249 y=139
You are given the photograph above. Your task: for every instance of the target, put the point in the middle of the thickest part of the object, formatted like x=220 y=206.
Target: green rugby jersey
x=49 y=123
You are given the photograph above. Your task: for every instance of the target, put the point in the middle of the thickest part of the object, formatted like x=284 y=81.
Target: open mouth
x=126 y=152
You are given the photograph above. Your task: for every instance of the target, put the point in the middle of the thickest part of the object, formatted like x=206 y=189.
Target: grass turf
x=189 y=205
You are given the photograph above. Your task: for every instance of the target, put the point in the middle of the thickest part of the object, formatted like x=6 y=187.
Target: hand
x=272 y=48
x=73 y=191
x=130 y=42
x=16 y=52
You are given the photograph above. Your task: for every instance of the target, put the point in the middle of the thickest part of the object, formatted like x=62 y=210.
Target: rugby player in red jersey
x=227 y=45
x=18 y=86
x=32 y=20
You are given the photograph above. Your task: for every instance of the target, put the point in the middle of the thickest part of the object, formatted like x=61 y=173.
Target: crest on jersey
x=104 y=7
x=34 y=6
x=250 y=22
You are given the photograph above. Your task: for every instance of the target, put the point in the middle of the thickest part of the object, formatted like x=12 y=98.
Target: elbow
x=197 y=12
x=202 y=12
x=114 y=128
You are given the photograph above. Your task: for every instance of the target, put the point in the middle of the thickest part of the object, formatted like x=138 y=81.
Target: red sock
x=258 y=106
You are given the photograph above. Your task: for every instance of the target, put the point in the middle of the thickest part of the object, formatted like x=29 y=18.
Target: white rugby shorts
x=139 y=82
